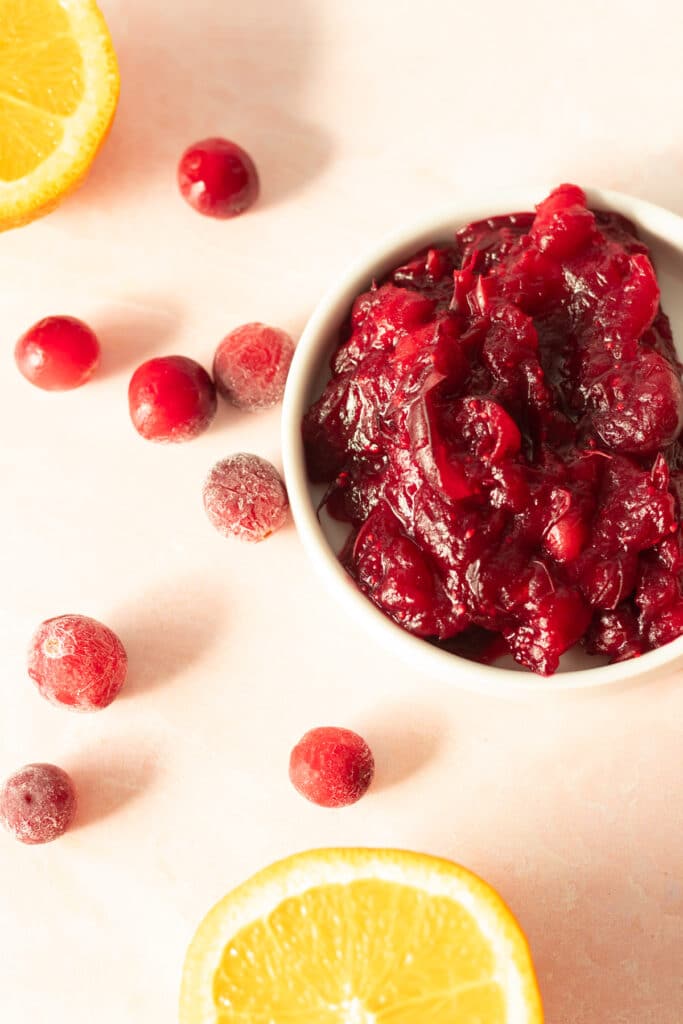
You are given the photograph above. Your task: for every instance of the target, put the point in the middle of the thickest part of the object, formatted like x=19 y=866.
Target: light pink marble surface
x=358 y=114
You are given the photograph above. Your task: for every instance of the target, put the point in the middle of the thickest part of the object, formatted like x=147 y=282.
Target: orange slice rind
x=59 y=85
x=360 y=937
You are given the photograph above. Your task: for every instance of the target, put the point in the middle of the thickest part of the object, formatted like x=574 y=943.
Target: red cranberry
x=666 y=627
x=331 y=767
x=567 y=537
x=77 y=662
x=58 y=353
x=615 y=634
x=37 y=803
x=218 y=178
x=251 y=365
x=244 y=497
x=395 y=574
x=639 y=408
x=553 y=624
x=171 y=398
x=488 y=429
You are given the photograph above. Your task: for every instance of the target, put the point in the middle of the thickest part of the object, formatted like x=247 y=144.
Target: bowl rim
x=431 y=661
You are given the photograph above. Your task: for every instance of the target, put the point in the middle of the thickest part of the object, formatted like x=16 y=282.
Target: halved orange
x=59 y=85
x=360 y=937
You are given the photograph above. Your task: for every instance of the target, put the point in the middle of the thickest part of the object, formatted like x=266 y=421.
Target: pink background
x=358 y=114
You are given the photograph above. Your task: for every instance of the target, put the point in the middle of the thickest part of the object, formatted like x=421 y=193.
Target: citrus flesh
x=360 y=937
x=59 y=86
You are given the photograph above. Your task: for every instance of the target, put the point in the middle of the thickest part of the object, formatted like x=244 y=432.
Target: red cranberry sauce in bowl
x=501 y=433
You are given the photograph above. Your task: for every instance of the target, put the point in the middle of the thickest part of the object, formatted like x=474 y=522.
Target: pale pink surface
x=358 y=115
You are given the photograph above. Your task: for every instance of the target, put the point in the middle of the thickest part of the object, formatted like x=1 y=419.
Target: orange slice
x=59 y=85
x=360 y=937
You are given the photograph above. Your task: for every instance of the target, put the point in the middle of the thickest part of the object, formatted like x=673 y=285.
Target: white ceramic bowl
x=661 y=230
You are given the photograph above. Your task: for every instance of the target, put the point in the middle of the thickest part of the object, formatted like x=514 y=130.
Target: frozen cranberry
x=171 y=398
x=331 y=767
x=218 y=178
x=77 y=662
x=244 y=497
x=251 y=365
x=38 y=803
x=58 y=353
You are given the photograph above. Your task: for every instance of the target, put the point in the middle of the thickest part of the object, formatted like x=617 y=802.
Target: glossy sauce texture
x=501 y=432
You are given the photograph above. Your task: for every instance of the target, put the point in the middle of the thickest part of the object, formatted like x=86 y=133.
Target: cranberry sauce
x=501 y=432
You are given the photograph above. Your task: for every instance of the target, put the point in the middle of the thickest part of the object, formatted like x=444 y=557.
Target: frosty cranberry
x=58 y=353
x=37 y=803
x=77 y=662
x=501 y=432
x=331 y=767
x=251 y=365
x=171 y=398
x=218 y=178
x=244 y=497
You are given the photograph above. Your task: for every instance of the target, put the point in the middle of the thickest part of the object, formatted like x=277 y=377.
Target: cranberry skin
x=77 y=662
x=171 y=399
x=251 y=366
x=567 y=537
x=487 y=428
x=639 y=410
x=331 y=767
x=58 y=353
x=37 y=803
x=615 y=633
x=218 y=178
x=666 y=627
x=244 y=497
